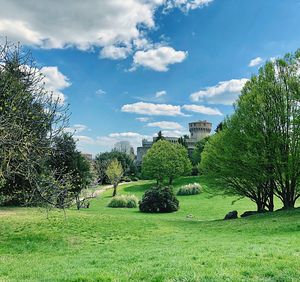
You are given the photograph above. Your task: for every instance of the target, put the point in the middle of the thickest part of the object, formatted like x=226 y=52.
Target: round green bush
x=159 y=199
x=123 y=201
x=189 y=189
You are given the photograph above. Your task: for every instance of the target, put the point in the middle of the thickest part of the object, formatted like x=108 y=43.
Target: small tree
x=114 y=172
x=166 y=160
x=159 y=136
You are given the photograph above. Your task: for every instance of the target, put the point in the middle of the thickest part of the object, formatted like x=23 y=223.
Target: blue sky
x=131 y=68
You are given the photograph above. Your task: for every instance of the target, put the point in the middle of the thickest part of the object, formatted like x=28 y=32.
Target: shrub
x=134 y=178
x=125 y=179
x=123 y=201
x=159 y=199
x=189 y=189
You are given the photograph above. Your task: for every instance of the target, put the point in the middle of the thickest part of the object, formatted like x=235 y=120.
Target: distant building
x=198 y=131
x=124 y=147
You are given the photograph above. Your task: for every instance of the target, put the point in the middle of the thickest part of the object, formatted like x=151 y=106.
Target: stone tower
x=199 y=129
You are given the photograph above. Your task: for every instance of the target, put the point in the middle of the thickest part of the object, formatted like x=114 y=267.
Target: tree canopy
x=257 y=152
x=166 y=160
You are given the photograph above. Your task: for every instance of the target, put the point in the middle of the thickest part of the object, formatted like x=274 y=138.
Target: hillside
x=105 y=244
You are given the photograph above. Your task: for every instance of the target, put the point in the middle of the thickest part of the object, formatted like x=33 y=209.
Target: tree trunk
x=115 y=190
x=260 y=206
x=170 y=180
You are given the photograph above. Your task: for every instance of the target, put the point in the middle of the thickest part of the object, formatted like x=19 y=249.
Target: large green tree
x=259 y=145
x=166 y=160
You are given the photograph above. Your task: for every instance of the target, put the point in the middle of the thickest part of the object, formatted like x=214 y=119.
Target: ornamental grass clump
x=189 y=189
x=123 y=201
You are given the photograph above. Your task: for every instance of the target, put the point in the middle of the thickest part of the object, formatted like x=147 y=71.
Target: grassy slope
x=105 y=244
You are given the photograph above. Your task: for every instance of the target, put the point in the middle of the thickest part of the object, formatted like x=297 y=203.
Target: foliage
x=159 y=199
x=166 y=160
x=66 y=160
x=103 y=160
x=123 y=201
x=114 y=172
x=199 y=147
x=257 y=153
x=159 y=136
x=30 y=118
x=189 y=189
x=182 y=140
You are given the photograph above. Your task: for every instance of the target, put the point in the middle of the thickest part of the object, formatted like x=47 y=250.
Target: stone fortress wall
x=198 y=130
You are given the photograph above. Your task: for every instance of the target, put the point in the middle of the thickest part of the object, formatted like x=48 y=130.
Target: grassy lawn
x=105 y=244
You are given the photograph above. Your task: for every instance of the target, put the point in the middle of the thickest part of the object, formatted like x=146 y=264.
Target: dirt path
x=103 y=188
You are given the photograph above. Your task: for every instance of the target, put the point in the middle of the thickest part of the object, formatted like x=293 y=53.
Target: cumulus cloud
x=82 y=139
x=152 y=109
x=202 y=110
x=187 y=5
x=160 y=93
x=76 y=128
x=114 y=52
x=174 y=133
x=225 y=92
x=143 y=119
x=107 y=142
x=255 y=62
x=117 y=26
x=158 y=59
x=55 y=82
x=83 y=24
x=165 y=125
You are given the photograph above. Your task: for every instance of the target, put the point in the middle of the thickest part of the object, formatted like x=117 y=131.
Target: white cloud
x=107 y=142
x=100 y=92
x=158 y=59
x=83 y=24
x=225 y=92
x=152 y=109
x=187 y=5
x=165 y=125
x=143 y=119
x=202 y=110
x=76 y=128
x=174 y=133
x=82 y=139
x=160 y=93
x=55 y=82
x=114 y=53
x=117 y=26
x=255 y=62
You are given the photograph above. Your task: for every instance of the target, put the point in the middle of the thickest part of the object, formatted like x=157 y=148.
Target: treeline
x=256 y=153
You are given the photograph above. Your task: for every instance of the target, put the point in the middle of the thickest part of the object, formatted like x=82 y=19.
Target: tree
x=114 y=173
x=159 y=136
x=182 y=140
x=199 y=147
x=230 y=162
x=219 y=127
x=66 y=160
x=30 y=118
x=258 y=146
x=166 y=160
x=103 y=160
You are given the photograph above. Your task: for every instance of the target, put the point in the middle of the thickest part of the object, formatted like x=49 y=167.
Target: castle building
x=198 y=130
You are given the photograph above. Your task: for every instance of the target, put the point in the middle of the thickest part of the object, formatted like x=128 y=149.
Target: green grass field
x=106 y=244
